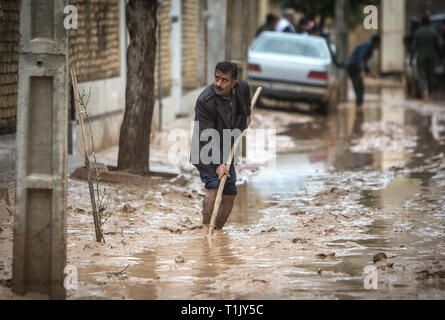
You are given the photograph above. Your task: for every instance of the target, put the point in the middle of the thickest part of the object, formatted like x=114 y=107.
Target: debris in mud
x=127 y=208
x=120 y=275
x=381 y=261
x=297 y=213
x=111 y=233
x=260 y=280
x=5 y=204
x=172 y=230
x=79 y=210
x=179 y=259
x=322 y=256
x=273 y=229
x=200 y=226
x=426 y=274
x=181 y=180
x=384 y=136
x=379 y=257
x=6 y=283
x=299 y=240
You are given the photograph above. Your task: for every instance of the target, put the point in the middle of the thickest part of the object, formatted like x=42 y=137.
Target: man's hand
x=221 y=171
x=248 y=121
x=362 y=75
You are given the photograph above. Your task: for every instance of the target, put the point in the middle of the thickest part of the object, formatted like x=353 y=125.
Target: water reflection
x=156 y=275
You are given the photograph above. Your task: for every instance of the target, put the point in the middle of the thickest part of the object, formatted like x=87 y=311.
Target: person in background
x=414 y=24
x=358 y=65
x=427 y=45
x=302 y=26
x=286 y=23
x=315 y=31
x=269 y=25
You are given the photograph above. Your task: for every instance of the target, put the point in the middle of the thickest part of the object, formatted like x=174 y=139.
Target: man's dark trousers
x=357 y=82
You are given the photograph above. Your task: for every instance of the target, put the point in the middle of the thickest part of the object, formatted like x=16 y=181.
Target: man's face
x=291 y=18
x=223 y=83
x=376 y=45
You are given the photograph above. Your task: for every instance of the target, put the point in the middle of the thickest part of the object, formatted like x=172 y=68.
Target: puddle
x=409 y=227
x=156 y=275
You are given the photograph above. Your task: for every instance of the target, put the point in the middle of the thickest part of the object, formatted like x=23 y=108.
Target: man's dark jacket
x=210 y=113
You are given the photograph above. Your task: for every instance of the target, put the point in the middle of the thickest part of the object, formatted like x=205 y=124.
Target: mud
x=309 y=229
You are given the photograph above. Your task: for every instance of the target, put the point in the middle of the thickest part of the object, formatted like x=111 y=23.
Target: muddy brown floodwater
x=354 y=209
x=351 y=186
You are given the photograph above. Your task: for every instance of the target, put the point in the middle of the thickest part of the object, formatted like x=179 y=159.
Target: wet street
x=318 y=224
x=354 y=209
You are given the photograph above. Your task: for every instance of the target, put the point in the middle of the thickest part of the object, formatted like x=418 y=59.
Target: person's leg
x=354 y=74
x=228 y=199
x=430 y=75
x=225 y=210
x=360 y=90
x=211 y=189
x=422 y=78
x=208 y=205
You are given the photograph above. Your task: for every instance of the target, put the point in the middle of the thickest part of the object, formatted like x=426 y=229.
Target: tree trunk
x=134 y=141
x=341 y=39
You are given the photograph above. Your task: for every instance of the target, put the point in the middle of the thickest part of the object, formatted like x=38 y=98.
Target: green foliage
x=326 y=9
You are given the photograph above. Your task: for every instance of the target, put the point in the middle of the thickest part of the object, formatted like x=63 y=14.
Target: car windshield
x=288 y=46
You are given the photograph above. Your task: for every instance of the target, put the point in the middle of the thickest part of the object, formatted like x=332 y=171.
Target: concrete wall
x=392 y=52
x=216 y=35
x=39 y=252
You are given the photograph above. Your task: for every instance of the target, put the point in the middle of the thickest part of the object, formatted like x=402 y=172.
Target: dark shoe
x=208 y=204
x=225 y=210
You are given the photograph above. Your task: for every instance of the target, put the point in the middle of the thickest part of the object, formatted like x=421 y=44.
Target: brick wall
x=165 y=24
x=190 y=20
x=193 y=44
x=202 y=44
x=94 y=46
x=9 y=57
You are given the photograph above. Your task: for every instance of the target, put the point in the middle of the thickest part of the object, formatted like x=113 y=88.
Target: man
x=223 y=105
x=358 y=65
x=271 y=22
x=415 y=23
x=287 y=22
x=427 y=45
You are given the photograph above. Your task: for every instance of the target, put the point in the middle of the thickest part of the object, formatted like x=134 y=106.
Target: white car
x=292 y=67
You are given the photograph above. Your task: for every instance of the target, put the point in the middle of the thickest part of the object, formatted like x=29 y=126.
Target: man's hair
x=289 y=12
x=271 y=18
x=425 y=20
x=303 y=22
x=375 y=38
x=228 y=67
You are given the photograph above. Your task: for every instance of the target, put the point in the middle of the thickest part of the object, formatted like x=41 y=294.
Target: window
x=294 y=47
